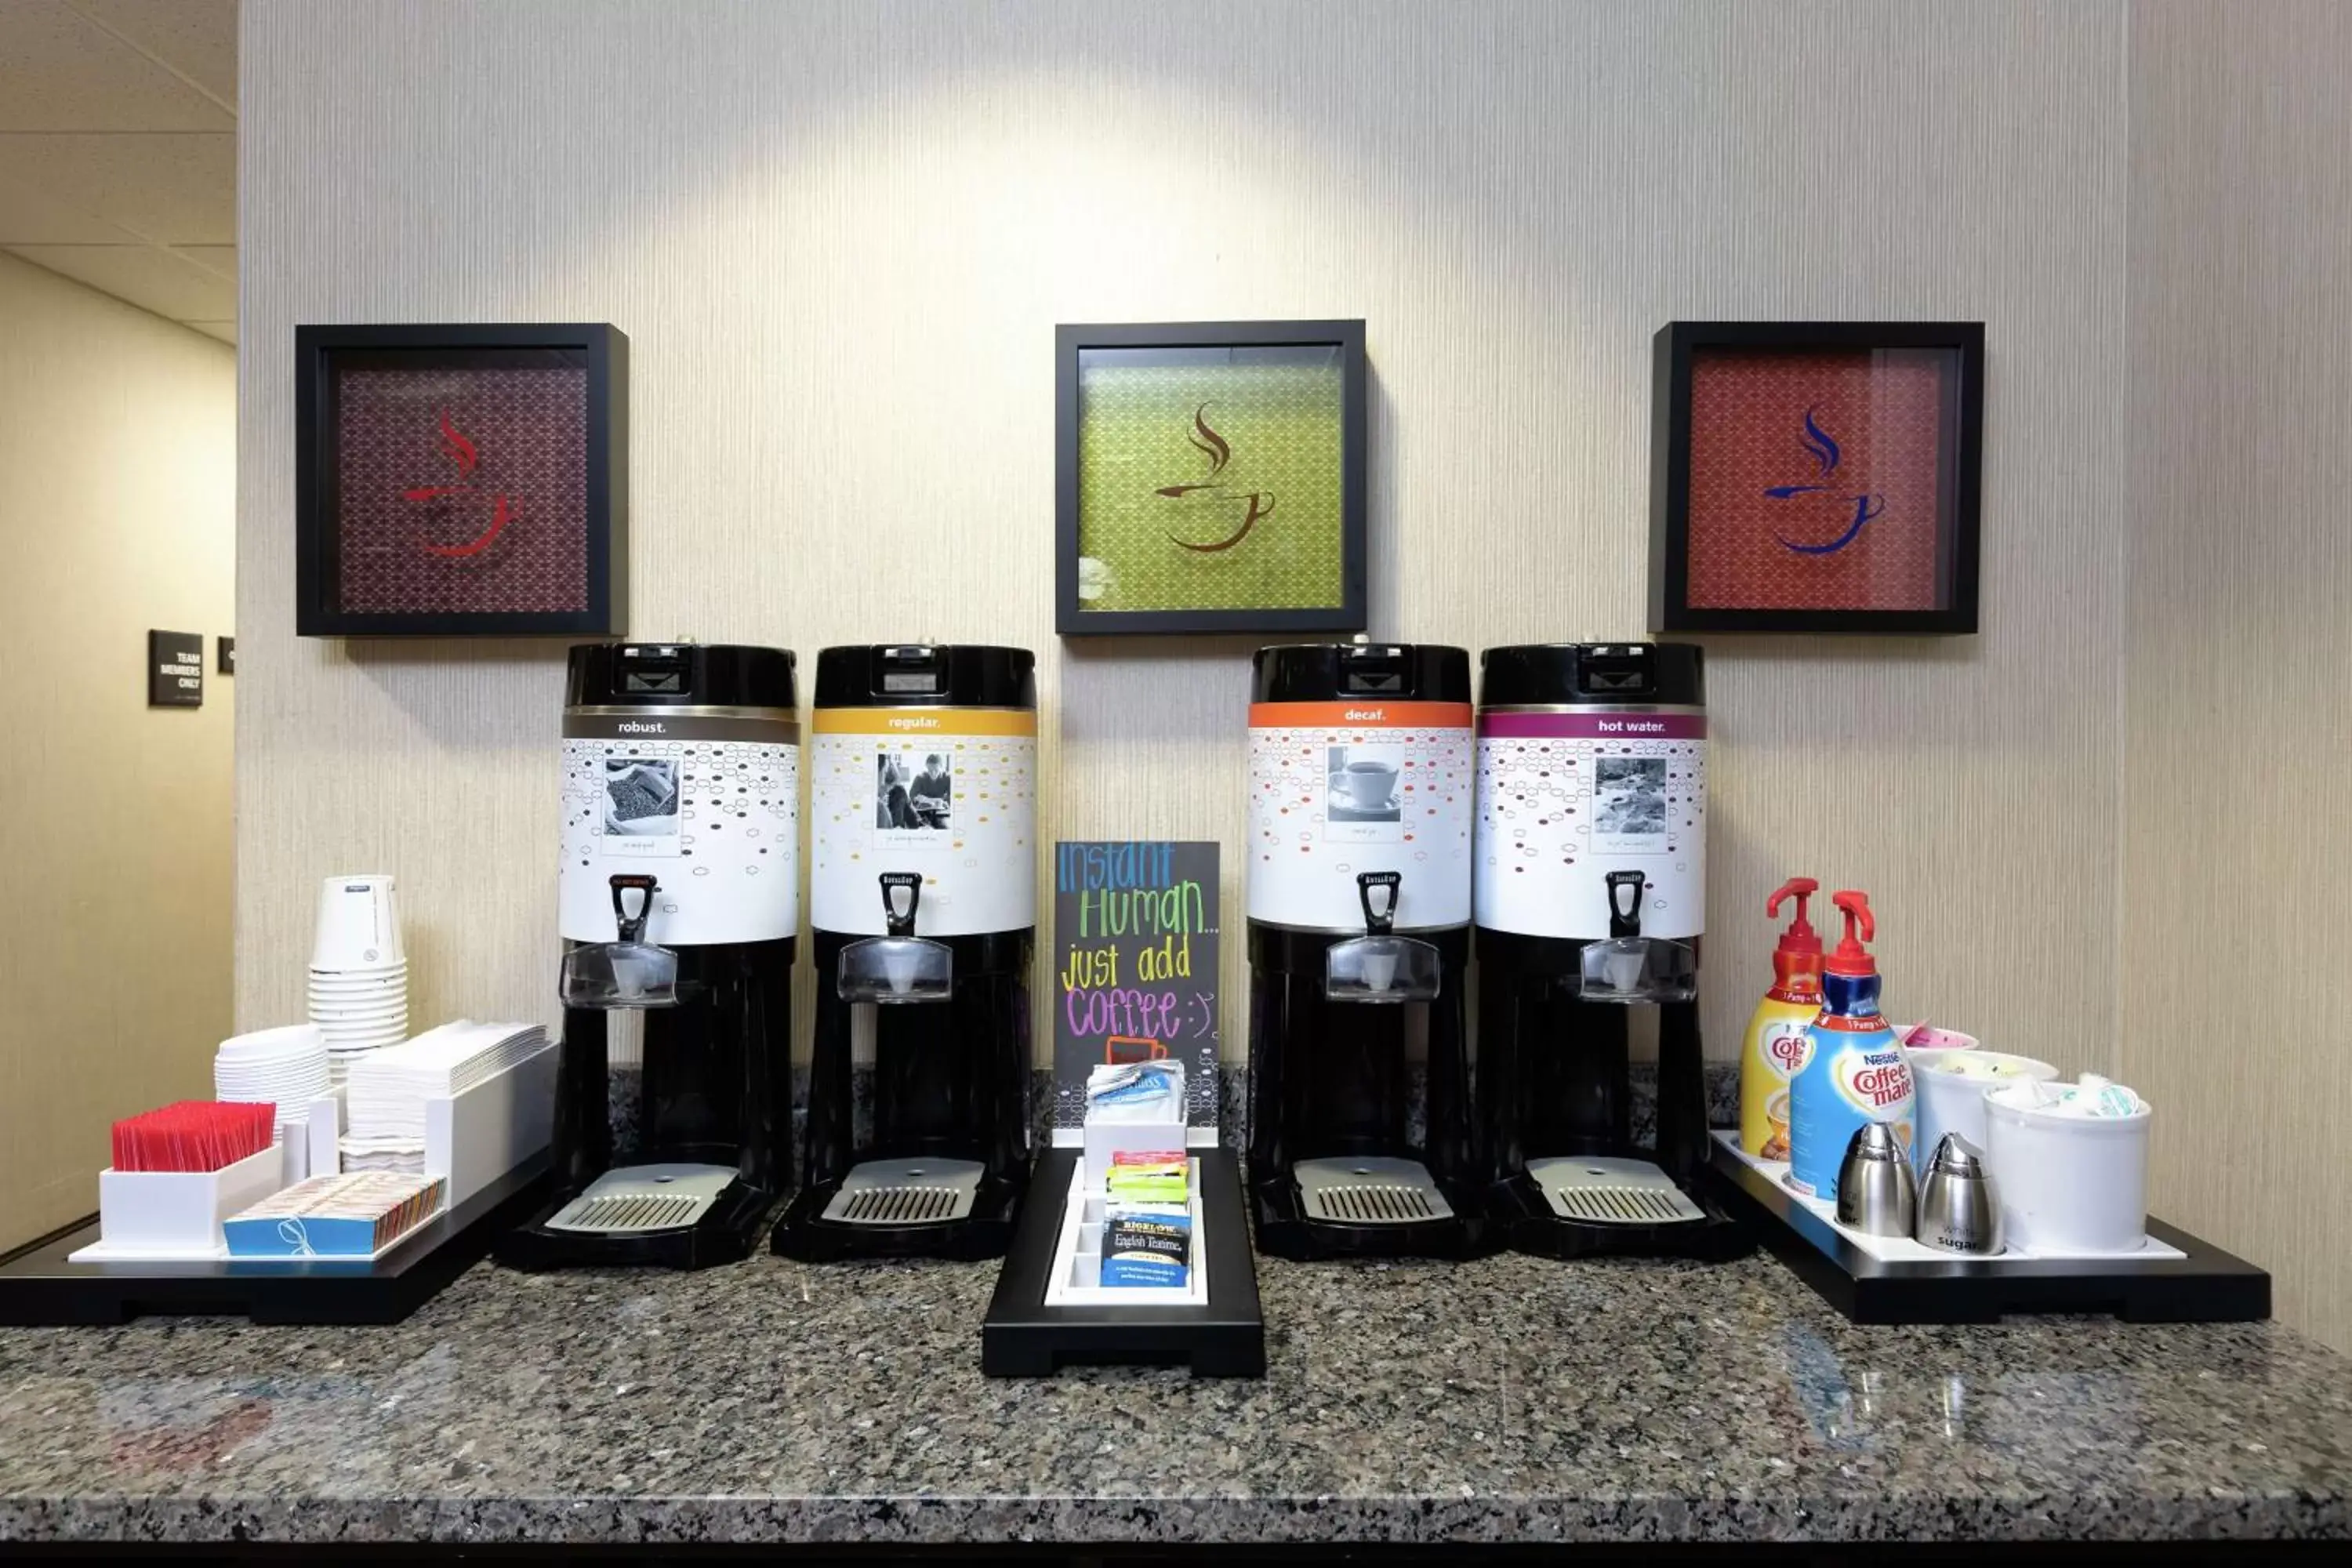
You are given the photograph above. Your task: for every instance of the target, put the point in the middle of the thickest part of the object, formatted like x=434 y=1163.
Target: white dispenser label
x=1341 y=788
x=948 y=792
x=709 y=805
x=1567 y=797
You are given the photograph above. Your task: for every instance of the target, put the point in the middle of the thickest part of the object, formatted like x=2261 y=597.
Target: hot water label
x=1564 y=797
x=1341 y=788
x=708 y=805
x=950 y=794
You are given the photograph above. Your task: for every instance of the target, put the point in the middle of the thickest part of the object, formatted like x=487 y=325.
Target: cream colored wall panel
x=195 y=38
x=118 y=436
x=840 y=237
x=2237 y=847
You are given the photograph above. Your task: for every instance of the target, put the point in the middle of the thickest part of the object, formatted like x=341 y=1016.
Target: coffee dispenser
x=1359 y=883
x=678 y=892
x=1591 y=888
x=924 y=903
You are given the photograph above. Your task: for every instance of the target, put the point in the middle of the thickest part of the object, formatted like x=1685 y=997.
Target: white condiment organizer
x=1076 y=1278
x=1902 y=1249
x=471 y=1139
x=160 y=1213
x=1103 y=1141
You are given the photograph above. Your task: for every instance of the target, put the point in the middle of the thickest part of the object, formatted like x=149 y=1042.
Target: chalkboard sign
x=175 y=669
x=1135 y=967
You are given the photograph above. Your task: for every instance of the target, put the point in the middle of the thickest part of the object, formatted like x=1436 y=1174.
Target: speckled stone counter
x=1503 y=1400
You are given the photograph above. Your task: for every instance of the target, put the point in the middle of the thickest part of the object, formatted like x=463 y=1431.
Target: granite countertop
x=1505 y=1399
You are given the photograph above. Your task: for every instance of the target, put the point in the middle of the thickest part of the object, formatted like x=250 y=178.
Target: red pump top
x=1852 y=958
x=1801 y=937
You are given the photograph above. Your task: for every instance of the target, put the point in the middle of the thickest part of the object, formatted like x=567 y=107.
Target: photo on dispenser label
x=1629 y=805
x=912 y=792
x=1364 y=799
x=640 y=797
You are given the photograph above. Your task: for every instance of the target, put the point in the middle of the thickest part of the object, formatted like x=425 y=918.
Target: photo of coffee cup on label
x=1776 y=1117
x=1363 y=783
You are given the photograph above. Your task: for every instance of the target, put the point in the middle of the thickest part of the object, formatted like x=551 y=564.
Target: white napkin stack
x=385 y=1129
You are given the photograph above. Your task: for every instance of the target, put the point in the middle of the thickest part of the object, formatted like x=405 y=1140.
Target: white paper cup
x=2069 y=1183
x=1949 y=1102
x=359 y=923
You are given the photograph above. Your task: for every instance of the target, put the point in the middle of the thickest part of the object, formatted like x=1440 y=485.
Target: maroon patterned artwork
x=1813 y=479
x=461 y=480
x=1816 y=478
x=462 y=490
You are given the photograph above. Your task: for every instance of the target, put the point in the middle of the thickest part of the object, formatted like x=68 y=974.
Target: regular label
x=947 y=792
x=1341 y=788
x=1565 y=799
x=709 y=806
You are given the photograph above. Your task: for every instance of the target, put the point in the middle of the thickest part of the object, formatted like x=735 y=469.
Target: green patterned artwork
x=1212 y=479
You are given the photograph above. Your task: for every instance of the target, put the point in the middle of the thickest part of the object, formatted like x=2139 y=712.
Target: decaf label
x=1337 y=789
x=1135 y=959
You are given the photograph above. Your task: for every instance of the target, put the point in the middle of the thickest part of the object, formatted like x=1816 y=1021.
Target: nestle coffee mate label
x=1849 y=1078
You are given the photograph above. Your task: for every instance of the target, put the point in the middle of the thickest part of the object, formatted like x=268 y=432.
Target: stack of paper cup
x=359 y=971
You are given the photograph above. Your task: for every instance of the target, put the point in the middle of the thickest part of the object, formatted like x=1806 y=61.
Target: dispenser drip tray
x=906 y=1191
x=1371 y=1191
x=643 y=1197
x=1612 y=1192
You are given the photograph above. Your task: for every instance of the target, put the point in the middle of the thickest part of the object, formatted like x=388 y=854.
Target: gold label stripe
x=920 y=722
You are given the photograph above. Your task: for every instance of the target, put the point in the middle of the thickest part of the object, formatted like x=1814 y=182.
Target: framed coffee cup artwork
x=1209 y=477
x=1816 y=476
x=461 y=480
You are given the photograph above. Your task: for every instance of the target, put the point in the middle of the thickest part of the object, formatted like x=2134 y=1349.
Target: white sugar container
x=2069 y=1183
x=1953 y=1100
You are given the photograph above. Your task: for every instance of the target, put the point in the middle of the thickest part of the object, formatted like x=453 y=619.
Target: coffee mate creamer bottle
x=1853 y=1070
x=1776 y=1030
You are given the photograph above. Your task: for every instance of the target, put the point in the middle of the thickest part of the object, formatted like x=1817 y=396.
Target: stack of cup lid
x=286 y=1068
x=359 y=971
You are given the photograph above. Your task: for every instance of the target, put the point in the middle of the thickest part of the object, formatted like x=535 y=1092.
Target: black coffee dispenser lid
x=1670 y=674
x=679 y=674
x=1336 y=672
x=926 y=675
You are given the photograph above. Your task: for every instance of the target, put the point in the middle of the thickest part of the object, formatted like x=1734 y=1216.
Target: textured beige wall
x=839 y=238
x=117 y=446
x=2238 y=839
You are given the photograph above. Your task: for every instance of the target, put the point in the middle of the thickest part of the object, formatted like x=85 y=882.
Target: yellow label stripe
x=924 y=720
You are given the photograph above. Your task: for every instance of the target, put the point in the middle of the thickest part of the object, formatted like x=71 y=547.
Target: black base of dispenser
x=1284 y=1230
x=805 y=1234
x=1529 y=1225
x=726 y=1234
x=40 y=1283
x=1022 y=1337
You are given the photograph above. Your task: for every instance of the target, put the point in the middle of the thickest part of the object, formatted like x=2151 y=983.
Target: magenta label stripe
x=1593 y=726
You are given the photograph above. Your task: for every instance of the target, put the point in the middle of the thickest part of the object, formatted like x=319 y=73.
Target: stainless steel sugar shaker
x=1876 y=1193
x=1960 y=1208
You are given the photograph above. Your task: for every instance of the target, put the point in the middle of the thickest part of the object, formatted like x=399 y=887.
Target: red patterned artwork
x=1814 y=479
x=461 y=489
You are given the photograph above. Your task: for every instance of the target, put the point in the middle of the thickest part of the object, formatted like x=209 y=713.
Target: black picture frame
x=602 y=347
x=1070 y=342
x=1959 y=479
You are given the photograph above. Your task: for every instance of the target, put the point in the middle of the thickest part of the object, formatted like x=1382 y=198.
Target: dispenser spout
x=1852 y=957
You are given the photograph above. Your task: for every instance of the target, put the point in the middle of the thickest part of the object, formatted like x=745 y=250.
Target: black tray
x=39 y=1285
x=1022 y=1337
x=2208 y=1286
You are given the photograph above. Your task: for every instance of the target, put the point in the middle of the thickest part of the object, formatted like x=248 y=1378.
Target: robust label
x=1337 y=789
x=1565 y=799
x=950 y=794
x=709 y=805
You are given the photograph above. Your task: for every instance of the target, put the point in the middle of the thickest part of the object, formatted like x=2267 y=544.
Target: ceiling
x=118 y=150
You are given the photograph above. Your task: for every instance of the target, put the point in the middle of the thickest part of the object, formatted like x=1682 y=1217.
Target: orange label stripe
x=1366 y=713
